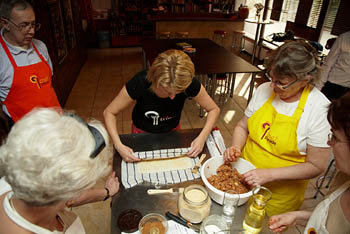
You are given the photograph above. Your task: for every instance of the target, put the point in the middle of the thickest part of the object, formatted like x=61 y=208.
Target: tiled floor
x=101 y=78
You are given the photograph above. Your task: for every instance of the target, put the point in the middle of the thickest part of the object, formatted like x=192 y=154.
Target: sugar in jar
x=194 y=203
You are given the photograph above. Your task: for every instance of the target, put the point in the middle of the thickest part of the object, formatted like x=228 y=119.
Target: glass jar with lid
x=194 y=203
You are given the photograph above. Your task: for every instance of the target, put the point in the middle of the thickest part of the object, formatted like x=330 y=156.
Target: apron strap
x=300 y=108
x=8 y=53
x=40 y=56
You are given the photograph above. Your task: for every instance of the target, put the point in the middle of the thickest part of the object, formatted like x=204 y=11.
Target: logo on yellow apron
x=266 y=135
x=34 y=79
x=265 y=126
x=311 y=231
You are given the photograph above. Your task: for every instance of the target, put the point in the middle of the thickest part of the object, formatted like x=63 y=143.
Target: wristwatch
x=107 y=196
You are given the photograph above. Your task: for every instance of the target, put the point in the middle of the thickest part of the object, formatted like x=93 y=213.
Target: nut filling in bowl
x=210 y=168
x=229 y=179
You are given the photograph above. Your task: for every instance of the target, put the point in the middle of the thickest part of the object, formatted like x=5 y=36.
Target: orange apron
x=31 y=87
x=272 y=143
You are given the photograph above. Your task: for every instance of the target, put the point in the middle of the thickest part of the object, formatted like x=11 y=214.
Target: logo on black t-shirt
x=153 y=115
x=156 y=118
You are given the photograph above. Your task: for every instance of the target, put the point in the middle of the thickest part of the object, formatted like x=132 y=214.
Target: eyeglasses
x=25 y=26
x=332 y=139
x=278 y=84
x=100 y=143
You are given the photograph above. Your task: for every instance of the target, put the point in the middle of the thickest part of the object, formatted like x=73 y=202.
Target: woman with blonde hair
x=48 y=162
x=160 y=95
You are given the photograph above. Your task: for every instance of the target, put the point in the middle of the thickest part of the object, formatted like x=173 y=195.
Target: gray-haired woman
x=50 y=161
x=284 y=130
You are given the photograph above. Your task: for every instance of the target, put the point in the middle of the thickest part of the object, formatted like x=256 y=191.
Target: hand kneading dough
x=164 y=165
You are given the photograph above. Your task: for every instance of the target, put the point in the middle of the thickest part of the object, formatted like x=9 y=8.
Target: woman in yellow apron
x=284 y=130
x=332 y=215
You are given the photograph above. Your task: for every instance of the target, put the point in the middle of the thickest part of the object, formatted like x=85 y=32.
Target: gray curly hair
x=295 y=59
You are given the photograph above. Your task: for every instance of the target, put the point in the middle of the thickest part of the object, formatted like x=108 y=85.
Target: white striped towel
x=131 y=177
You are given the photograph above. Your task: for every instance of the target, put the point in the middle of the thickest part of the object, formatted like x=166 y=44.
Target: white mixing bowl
x=209 y=168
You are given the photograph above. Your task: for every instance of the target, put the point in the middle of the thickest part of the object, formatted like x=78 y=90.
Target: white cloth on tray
x=131 y=176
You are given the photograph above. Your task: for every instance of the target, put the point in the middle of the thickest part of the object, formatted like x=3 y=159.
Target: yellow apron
x=272 y=143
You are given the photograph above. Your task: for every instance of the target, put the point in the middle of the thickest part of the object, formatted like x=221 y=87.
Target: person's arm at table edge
x=205 y=101
x=97 y=194
x=279 y=223
x=120 y=102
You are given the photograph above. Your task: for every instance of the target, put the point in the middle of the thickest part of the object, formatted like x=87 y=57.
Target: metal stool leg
x=232 y=84
x=323 y=178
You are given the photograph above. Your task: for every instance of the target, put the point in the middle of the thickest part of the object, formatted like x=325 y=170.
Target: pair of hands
x=127 y=153
x=253 y=177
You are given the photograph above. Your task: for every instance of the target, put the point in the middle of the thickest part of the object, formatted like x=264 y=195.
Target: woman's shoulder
x=7 y=225
x=138 y=84
x=317 y=99
x=263 y=92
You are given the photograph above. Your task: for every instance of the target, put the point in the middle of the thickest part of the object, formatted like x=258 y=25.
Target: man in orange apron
x=25 y=70
x=284 y=130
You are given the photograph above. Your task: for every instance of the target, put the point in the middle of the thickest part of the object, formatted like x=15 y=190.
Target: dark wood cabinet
x=135 y=22
x=65 y=39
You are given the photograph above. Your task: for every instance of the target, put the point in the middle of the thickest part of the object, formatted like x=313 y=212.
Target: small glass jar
x=194 y=203
x=214 y=224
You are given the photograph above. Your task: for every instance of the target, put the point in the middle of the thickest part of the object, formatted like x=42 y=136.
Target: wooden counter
x=199 y=25
x=197 y=17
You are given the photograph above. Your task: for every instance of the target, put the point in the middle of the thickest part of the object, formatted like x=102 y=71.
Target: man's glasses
x=25 y=26
x=278 y=84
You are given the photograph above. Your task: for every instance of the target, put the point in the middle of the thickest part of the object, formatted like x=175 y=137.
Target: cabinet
x=196 y=6
x=62 y=33
x=135 y=21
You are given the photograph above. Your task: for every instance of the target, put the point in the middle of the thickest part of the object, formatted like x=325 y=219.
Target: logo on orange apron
x=39 y=82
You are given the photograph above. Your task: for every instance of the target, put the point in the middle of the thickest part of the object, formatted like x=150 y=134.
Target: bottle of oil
x=256 y=213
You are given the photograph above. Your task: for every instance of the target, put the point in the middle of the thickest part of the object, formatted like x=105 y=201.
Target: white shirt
x=336 y=69
x=75 y=228
x=22 y=58
x=313 y=128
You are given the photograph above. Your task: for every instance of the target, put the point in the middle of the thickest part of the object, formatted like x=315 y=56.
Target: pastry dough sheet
x=164 y=165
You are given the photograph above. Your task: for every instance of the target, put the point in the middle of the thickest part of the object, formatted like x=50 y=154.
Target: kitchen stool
x=220 y=35
x=320 y=181
x=237 y=35
x=163 y=35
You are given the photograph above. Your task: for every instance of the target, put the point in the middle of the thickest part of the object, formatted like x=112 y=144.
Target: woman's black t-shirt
x=152 y=113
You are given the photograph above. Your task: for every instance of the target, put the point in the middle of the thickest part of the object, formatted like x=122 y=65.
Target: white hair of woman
x=46 y=157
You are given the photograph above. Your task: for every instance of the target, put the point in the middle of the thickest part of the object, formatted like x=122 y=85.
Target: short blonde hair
x=172 y=69
x=46 y=157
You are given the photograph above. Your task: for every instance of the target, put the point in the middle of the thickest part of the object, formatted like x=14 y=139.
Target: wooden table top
x=209 y=58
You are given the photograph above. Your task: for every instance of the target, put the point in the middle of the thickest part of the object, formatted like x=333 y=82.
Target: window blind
x=315 y=13
x=331 y=14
